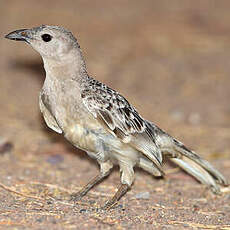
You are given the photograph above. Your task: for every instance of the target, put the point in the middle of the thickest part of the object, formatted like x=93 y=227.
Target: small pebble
x=142 y=195
x=49 y=202
x=82 y=210
x=55 y=159
x=120 y=206
x=5 y=146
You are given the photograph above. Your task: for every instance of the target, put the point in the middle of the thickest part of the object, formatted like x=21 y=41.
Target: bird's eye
x=46 y=37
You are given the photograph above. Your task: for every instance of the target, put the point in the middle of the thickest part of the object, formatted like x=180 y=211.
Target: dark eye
x=46 y=37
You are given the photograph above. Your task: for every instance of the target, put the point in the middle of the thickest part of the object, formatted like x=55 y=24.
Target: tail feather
x=198 y=172
x=188 y=160
x=201 y=169
x=203 y=163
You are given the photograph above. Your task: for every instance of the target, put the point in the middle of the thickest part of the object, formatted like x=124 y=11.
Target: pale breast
x=62 y=99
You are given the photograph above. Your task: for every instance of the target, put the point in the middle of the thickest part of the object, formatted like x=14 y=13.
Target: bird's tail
x=190 y=161
x=201 y=169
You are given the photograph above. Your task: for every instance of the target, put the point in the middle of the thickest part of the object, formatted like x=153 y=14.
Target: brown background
x=170 y=59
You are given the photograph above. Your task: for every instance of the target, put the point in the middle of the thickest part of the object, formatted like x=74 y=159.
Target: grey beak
x=20 y=35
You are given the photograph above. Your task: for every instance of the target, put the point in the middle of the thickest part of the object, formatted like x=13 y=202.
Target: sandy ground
x=171 y=60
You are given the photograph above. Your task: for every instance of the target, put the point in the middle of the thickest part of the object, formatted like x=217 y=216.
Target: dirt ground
x=171 y=60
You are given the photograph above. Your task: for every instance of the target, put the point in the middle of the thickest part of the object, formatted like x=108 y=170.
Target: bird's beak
x=20 y=35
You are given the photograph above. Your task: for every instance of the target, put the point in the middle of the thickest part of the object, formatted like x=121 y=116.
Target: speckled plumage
x=97 y=119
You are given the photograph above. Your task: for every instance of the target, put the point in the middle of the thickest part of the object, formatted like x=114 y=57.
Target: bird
x=100 y=121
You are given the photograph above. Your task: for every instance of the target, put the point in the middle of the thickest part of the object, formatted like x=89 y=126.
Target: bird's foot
x=76 y=196
x=123 y=188
x=109 y=205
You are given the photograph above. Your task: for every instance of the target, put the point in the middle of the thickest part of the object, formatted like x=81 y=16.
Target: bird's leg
x=87 y=187
x=104 y=172
x=127 y=177
x=122 y=189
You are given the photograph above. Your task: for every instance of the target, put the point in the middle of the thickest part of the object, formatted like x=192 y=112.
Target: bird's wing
x=121 y=119
x=49 y=119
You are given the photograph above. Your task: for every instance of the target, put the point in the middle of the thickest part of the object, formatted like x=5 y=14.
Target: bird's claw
x=76 y=196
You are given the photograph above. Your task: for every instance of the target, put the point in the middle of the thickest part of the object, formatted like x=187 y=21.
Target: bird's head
x=52 y=42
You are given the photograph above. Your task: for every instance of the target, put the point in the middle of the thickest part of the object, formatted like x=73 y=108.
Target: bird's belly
x=88 y=134
x=82 y=137
x=101 y=144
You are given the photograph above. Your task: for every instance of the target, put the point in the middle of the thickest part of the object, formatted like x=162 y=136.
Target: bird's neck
x=70 y=66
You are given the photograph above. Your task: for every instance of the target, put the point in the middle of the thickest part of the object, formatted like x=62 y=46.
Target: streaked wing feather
x=121 y=118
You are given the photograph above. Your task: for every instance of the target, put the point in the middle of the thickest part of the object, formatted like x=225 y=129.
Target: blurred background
x=170 y=59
